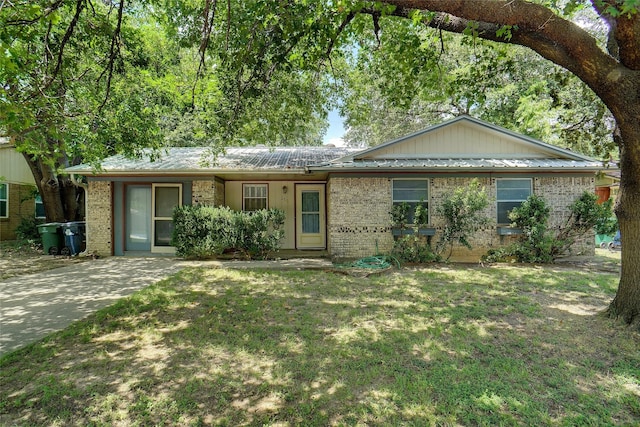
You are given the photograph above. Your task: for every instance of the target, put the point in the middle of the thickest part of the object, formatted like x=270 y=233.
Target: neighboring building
x=17 y=191
x=608 y=183
x=336 y=199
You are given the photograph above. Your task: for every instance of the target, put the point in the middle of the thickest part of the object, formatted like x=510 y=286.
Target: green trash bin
x=51 y=237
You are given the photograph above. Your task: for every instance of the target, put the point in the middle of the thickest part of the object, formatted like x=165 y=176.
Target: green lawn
x=448 y=345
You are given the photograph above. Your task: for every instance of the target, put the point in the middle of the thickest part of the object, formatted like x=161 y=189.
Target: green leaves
x=506 y=31
x=205 y=231
x=462 y=213
x=623 y=8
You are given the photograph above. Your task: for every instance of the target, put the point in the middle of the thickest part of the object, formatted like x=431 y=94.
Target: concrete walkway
x=35 y=305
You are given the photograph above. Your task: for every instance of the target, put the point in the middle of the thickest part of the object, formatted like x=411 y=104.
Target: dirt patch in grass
x=17 y=259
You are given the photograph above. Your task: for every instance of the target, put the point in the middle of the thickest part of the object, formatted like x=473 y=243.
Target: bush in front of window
x=462 y=213
x=539 y=244
x=207 y=231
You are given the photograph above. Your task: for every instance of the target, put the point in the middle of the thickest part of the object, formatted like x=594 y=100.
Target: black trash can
x=51 y=237
x=74 y=237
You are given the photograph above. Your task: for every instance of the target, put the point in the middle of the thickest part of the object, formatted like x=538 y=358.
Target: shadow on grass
x=443 y=346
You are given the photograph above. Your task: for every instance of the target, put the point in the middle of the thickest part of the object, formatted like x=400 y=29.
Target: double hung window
x=510 y=194
x=254 y=197
x=412 y=192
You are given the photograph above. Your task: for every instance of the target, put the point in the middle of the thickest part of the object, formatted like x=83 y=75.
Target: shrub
x=205 y=231
x=461 y=212
x=414 y=248
x=27 y=230
x=537 y=243
x=400 y=215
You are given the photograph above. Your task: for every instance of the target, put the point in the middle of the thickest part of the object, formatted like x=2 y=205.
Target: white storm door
x=310 y=216
x=165 y=198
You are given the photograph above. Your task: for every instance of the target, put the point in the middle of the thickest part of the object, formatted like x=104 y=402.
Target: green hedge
x=205 y=231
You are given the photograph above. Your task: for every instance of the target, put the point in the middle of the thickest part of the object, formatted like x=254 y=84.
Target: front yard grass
x=448 y=345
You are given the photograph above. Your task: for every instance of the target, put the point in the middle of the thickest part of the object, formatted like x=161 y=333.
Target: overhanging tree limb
x=559 y=40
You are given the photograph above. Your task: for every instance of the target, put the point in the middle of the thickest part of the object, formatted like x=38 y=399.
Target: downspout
x=85 y=187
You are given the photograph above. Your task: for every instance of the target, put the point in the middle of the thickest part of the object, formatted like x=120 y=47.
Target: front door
x=310 y=216
x=165 y=198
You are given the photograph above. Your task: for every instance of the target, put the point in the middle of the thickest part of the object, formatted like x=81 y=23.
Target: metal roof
x=458 y=164
x=297 y=160
x=201 y=159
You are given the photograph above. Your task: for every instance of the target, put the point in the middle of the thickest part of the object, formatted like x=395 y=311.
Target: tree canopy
x=80 y=79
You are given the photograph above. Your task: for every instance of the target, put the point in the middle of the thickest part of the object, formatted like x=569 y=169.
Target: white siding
x=13 y=166
x=461 y=139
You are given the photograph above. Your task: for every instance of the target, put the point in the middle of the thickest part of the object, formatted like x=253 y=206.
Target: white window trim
x=6 y=184
x=428 y=181
x=255 y=184
x=510 y=200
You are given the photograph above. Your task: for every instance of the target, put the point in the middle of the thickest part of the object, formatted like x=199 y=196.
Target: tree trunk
x=626 y=304
x=59 y=195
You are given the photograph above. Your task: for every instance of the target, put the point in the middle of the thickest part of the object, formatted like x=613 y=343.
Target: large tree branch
x=114 y=51
x=624 y=33
x=540 y=29
x=65 y=39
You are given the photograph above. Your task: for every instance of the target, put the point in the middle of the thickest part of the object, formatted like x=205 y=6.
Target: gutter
x=454 y=169
x=185 y=172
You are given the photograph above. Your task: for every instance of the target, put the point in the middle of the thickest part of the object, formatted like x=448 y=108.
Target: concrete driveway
x=34 y=305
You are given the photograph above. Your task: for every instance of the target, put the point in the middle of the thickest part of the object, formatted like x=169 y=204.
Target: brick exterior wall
x=19 y=208
x=202 y=192
x=218 y=196
x=485 y=238
x=559 y=193
x=358 y=214
x=209 y=193
x=99 y=218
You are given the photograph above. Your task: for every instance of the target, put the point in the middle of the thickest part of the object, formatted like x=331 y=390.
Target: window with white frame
x=39 y=207
x=254 y=197
x=412 y=192
x=511 y=192
x=4 y=200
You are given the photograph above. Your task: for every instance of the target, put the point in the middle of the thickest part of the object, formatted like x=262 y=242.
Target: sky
x=336 y=129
